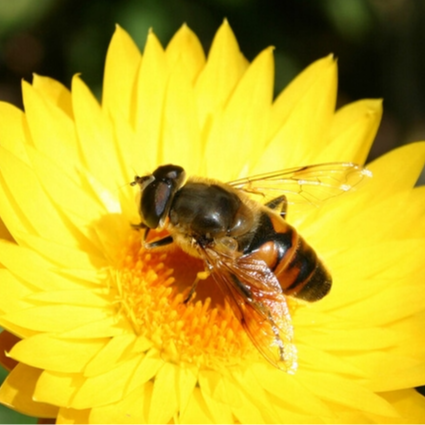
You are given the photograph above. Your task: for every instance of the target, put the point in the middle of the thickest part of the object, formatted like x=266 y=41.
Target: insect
x=256 y=257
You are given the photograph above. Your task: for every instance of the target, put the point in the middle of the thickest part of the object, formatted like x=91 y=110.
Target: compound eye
x=173 y=173
x=155 y=203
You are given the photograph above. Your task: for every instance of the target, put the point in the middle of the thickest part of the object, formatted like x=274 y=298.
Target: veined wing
x=256 y=298
x=308 y=185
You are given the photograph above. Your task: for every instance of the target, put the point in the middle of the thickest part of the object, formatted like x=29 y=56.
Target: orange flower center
x=152 y=287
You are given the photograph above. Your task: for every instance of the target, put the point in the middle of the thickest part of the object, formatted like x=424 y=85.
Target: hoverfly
x=254 y=255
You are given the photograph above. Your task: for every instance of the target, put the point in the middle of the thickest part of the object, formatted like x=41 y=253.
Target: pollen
x=153 y=286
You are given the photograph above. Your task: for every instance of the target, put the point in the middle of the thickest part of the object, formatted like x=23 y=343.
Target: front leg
x=199 y=276
x=156 y=244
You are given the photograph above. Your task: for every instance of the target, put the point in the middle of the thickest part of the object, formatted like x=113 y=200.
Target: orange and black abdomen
x=295 y=264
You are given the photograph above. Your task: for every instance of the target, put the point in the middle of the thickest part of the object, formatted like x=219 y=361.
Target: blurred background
x=379 y=45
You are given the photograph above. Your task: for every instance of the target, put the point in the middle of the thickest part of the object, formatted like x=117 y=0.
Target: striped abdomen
x=295 y=264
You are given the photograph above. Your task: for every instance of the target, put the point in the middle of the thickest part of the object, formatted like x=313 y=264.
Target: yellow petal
x=106 y=327
x=122 y=63
x=17 y=390
x=13 y=292
x=309 y=356
x=352 y=132
x=88 y=297
x=164 y=388
x=185 y=51
x=98 y=391
x=57 y=139
x=62 y=255
x=13 y=135
x=249 y=412
x=146 y=370
x=408 y=377
x=301 y=135
x=187 y=379
x=74 y=416
x=131 y=409
x=387 y=170
x=345 y=392
x=36 y=212
x=180 y=132
x=409 y=403
x=55 y=318
x=197 y=411
x=95 y=136
x=78 y=206
x=222 y=71
x=151 y=84
x=45 y=351
x=111 y=354
x=280 y=386
x=54 y=91
x=32 y=269
x=240 y=135
x=219 y=411
x=300 y=87
x=57 y=388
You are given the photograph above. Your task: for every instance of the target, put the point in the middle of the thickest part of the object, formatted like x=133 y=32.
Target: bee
x=239 y=230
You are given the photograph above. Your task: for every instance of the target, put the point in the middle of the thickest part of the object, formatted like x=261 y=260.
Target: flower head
x=97 y=330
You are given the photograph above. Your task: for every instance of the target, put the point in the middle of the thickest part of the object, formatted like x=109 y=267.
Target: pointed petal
x=17 y=391
x=110 y=355
x=13 y=291
x=122 y=63
x=180 y=131
x=406 y=161
x=352 y=132
x=187 y=379
x=289 y=384
x=32 y=269
x=151 y=84
x=74 y=416
x=35 y=212
x=220 y=75
x=240 y=136
x=52 y=130
x=164 y=388
x=146 y=370
x=131 y=409
x=185 y=51
x=45 y=351
x=409 y=403
x=197 y=411
x=57 y=388
x=13 y=131
x=98 y=391
x=347 y=393
x=55 y=318
x=55 y=92
x=304 y=121
x=95 y=136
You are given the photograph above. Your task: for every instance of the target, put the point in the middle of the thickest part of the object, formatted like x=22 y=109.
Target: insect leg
x=161 y=242
x=279 y=204
x=199 y=276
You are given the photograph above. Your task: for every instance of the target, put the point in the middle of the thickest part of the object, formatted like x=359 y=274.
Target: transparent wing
x=308 y=185
x=256 y=298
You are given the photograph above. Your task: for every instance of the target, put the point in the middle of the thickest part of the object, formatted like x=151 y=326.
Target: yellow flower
x=100 y=331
